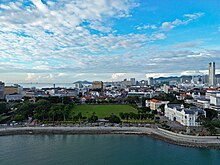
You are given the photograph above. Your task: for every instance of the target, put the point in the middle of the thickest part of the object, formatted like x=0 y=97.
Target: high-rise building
x=2 y=89
x=133 y=82
x=212 y=81
x=150 y=81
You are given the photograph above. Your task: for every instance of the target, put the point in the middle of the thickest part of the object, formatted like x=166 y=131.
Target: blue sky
x=69 y=40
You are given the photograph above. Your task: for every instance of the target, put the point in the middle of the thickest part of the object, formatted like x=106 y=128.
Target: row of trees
x=139 y=116
x=42 y=110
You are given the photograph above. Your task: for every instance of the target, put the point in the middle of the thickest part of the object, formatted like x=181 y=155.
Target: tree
x=42 y=108
x=66 y=111
x=211 y=114
x=200 y=119
x=26 y=109
x=66 y=100
x=114 y=119
x=127 y=115
x=93 y=118
x=162 y=108
x=3 y=108
x=132 y=99
x=54 y=111
x=122 y=116
x=210 y=127
x=54 y=99
x=19 y=118
x=132 y=115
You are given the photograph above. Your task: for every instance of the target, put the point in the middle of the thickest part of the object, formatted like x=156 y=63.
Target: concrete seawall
x=170 y=137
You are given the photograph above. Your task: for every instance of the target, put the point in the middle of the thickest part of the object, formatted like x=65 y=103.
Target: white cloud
x=144 y=27
x=194 y=16
x=32 y=77
x=116 y=76
x=53 y=40
x=191 y=73
x=166 y=26
x=39 y=4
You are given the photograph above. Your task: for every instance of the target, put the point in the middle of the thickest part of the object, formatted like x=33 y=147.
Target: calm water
x=44 y=85
x=99 y=150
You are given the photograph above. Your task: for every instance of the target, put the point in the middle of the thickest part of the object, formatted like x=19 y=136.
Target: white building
x=211 y=92
x=215 y=102
x=13 y=97
x=202 y=103
x=185 y=116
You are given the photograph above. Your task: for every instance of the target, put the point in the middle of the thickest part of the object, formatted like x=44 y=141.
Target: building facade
x=97 y=85
x=185 y=116
x=212 y=81
x=150 y=81
x=2 y=89
x=155 y=104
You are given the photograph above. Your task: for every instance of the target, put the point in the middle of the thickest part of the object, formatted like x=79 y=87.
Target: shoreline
x=156 y=133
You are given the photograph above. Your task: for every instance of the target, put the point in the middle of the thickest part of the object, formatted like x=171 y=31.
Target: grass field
x=102 y=110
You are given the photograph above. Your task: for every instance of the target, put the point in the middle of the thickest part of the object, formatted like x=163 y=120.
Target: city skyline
x=63 y=41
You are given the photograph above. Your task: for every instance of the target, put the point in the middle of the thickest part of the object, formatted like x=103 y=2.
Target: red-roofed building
x=155 y=104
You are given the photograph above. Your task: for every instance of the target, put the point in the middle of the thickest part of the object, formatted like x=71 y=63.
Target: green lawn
x=102 y=110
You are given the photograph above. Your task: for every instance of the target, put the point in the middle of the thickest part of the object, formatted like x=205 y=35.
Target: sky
x=109 y=40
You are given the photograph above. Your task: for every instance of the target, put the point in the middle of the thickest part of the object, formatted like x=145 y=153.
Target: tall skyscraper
x=133 y=81
x=150 y=81
x=2 y=89
x=212 y=81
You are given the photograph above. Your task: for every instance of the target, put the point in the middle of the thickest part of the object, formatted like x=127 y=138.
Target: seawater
x=99 y=150
x=44 y=85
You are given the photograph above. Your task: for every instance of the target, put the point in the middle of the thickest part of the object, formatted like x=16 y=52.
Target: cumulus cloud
x=39 y=4
x=191 y=73
x=116 y=76
x=77 y=39
x=32 y=77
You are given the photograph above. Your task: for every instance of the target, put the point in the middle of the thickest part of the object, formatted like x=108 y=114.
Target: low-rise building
x=15 y=89
x=13 y=97
x=155 y=104
x=97 y=85
x=215 y=102
x=202 y=103
x=185 y=116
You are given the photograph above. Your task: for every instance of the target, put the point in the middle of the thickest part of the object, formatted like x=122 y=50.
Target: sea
x=99 y=150
x=44 y=85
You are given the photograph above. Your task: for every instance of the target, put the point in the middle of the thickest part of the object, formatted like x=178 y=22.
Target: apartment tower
x=212 y=81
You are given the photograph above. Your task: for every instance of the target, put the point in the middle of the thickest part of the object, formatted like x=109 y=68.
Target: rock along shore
x=161 y=134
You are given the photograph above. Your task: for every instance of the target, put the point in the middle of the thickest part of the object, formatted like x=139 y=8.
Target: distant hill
x=83 y=82
x=172 y=78
x=176 y=78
